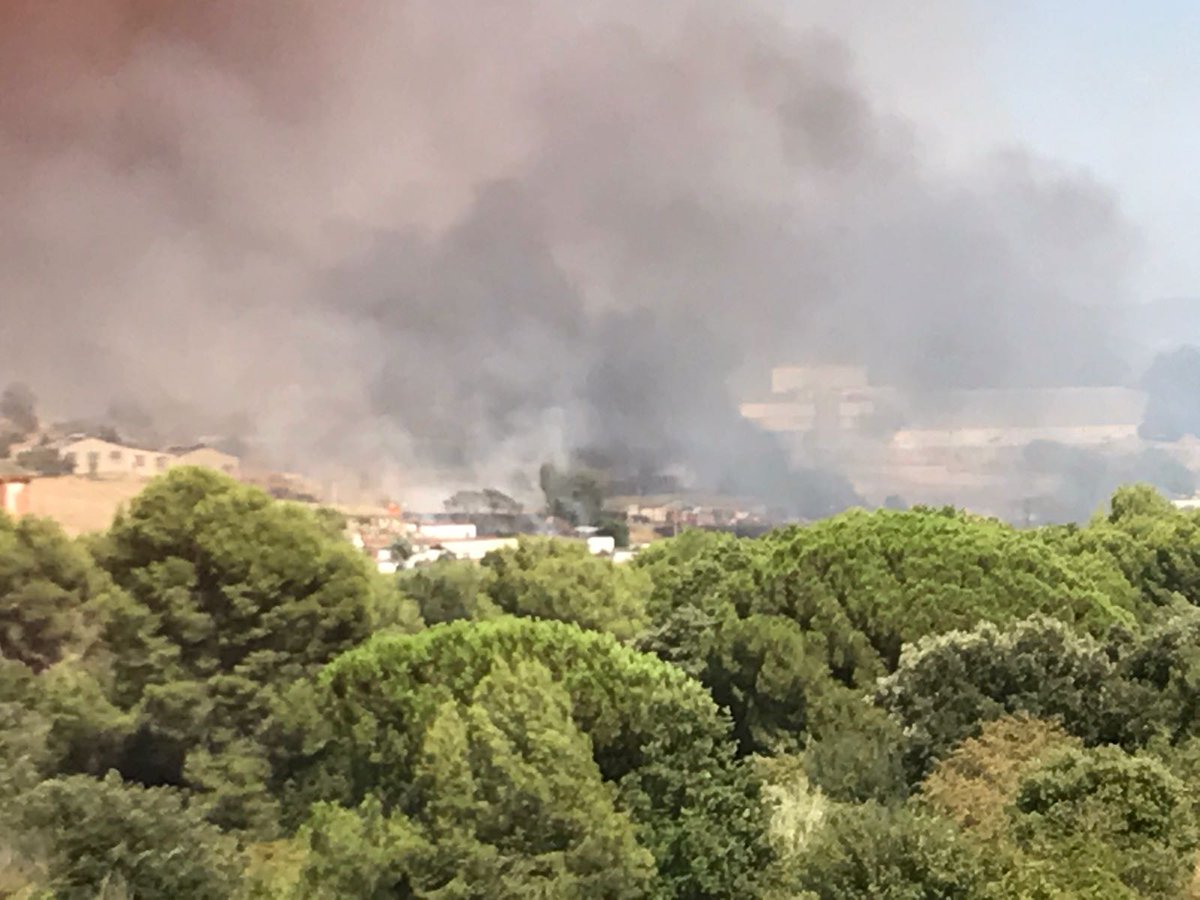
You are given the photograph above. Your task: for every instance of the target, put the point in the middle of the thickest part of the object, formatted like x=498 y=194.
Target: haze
x=466 y=238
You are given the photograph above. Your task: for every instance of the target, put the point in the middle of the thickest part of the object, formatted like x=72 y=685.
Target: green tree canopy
x=857 y=750
x=770 y=625
x=555 y=579
x=764 y=668
x=1132 y=806
x=223 y=580
x=448 y=590
x=229 y=595
x=575 y=494
x=50 y=593
x=975 y=785
x=509 y=804
x=1155 y=545
x=894 y=577
x=890 y=853
x=85 y=836
x=655 y=735
x=947 y=686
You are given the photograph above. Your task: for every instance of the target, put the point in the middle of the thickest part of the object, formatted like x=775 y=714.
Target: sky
x=1106 y=89
x=1113 y=87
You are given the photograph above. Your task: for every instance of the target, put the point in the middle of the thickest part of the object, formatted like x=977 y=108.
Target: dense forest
x=220 y=698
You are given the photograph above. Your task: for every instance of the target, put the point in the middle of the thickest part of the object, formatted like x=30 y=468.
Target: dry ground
x=80 y=504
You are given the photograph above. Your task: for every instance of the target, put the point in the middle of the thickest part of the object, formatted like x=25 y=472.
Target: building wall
x=842 y=409
x=939 y=438
x=601 y=544
x=448 y=531
x=791 y=379
x=782 y=416
x=93 y=456
x=462 y=549
x=14 y=497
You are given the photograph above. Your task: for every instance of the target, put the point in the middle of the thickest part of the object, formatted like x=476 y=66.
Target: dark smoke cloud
x=474 y=235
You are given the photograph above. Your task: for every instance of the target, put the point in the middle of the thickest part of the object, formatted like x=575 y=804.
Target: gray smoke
x=470 y=236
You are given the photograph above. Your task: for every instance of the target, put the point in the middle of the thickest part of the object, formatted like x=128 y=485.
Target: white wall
x=93 y=456
x=923 y=439
x=446 y=531
x=598 y=544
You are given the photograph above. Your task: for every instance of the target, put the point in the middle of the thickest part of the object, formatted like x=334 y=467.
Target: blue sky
x=1113 y=87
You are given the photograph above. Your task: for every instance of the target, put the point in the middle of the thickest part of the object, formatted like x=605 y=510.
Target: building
x=470 y=549
x=98 y=459
x=808 y=399
x=601 y=545
x=14 y=489
x=208 y=458
x=686 y=510
x=804 y=379
x=1007 y=419
x=934 y=446
x=446 y=531
x=836 y=406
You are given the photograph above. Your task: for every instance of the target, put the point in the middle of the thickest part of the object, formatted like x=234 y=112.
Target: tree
x=576 y=495
x=1162 y=668
x=391 y=609
x=1132 y=806
x=766 y=669
x=797 y=812
x=895 y=577
x=555 y=579
x=401 y=549
x=230 y=596
x=500 y=504
x=510 y=803
x=1153 y=546
x=890 y=853
x=465 y=503
x=60 y=722
x=18 y=406
x=615 y=528
x=45 y=460
x=948 y=686
x=448 y=590
x=91 y=835
x=976 y=784
x=25 y=757
x=656 y=737
x=224 y=581
x=856 y=751
x=855 y=589
x=333 y=521
x=51 y=593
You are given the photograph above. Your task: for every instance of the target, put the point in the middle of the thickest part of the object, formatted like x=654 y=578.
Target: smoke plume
x=472 y=235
